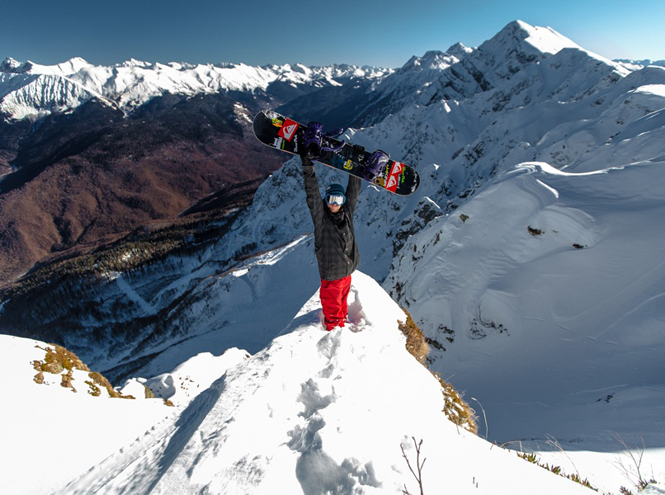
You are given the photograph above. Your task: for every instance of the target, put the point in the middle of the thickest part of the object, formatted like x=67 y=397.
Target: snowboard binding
x=314 y=140
x=375 y=163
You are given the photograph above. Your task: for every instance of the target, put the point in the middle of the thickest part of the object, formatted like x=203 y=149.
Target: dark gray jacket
x=334 y=236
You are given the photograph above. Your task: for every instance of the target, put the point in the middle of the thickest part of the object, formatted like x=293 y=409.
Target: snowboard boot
x=375 y=163
x=314 y=143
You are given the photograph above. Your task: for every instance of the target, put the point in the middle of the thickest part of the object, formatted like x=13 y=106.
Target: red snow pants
x=334 y=294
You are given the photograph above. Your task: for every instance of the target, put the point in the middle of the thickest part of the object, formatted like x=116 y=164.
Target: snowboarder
x=334 y=235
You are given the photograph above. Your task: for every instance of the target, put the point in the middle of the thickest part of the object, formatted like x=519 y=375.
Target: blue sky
x=258 y=32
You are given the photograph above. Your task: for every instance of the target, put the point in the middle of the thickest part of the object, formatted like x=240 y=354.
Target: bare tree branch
x=419 y=466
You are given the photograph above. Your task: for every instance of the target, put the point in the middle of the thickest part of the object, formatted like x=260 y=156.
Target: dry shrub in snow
x=455 y=408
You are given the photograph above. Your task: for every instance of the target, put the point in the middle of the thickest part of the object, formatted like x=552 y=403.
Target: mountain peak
x=73 y=65
x=10 y=65
x=432 y=60
x=459 y=50
x=132 y=62
x=540 y=39
x=518 y=45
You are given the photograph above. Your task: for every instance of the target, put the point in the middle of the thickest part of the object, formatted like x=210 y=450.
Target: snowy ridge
x=463 y=73
x=31 y=90
x=312 y=413
x=639 y=64
x=543 y=39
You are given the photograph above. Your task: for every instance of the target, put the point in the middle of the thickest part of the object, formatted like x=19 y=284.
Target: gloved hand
x=312 y=145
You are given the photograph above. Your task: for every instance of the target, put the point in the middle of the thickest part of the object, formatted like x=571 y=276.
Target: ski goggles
x=335 y=199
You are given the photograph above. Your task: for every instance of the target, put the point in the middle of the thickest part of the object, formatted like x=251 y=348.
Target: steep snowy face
x=25 y=95
x=543 y=39
x=31 y=90
x=553 y=277
x=550 y=213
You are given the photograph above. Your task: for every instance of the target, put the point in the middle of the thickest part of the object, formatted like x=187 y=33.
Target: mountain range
x=142 y=225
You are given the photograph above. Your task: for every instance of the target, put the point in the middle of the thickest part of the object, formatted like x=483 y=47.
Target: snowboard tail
x=281 y=133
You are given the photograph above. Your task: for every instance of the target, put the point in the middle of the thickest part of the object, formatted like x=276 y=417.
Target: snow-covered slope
x=319 y=412
x=573 y=147
x=51 y=434
x=569 y=288
x=31 y=90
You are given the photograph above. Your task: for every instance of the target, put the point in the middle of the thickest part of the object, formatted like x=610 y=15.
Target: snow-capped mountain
x=640 y=64
x=530 y=256
x=461 y=73
x=31 y=90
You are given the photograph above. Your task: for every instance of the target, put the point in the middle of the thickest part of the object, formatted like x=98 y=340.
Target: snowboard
x=284 y=134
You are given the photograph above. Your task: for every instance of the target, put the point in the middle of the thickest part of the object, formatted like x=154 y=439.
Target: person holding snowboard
x=334 y=235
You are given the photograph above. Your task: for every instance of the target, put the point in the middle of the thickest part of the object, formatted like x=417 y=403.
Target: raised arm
x=352 y=192
x=314 y=201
